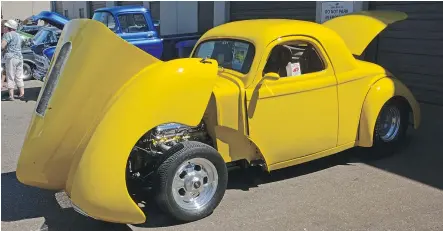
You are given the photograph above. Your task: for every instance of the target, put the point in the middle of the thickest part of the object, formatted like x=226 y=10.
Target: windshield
x=44 y=36
x=231 y=54
x=105 y=18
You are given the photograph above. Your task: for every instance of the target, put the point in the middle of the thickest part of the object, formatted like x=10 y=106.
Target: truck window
x=133 y=23
x=44 y=36
x=105 y=18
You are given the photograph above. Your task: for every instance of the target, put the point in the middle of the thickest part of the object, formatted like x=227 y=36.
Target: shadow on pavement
x=31 y=94
x=420 y=159
x=244 y=179
x=21 y=202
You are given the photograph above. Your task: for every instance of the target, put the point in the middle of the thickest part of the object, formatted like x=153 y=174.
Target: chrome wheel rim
x=194 y=183
x=389 y=123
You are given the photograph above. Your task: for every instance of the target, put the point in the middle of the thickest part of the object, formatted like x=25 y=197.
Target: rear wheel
x=390 y=128
x=191 y=181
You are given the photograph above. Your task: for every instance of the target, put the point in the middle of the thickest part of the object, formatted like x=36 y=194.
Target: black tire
x=381 y=146
x=165 y=173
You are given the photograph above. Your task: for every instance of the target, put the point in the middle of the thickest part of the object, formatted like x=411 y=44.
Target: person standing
x=12 y=47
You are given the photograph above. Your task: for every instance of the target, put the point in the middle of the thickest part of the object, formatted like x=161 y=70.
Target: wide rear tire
x=390 y=128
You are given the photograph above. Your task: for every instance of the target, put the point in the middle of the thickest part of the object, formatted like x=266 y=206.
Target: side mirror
x=272 y=76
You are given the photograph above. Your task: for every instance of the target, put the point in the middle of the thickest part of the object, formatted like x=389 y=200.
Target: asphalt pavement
x=347 y=191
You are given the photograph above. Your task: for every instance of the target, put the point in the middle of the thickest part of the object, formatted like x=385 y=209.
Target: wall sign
x=330 y=10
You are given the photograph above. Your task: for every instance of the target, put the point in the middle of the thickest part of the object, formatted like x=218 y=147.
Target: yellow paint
x=378 y=95
x=351 y=94
x=101 y=104
x=314 y=156
x=360 y=28
x=282 y=117
x=261 y=32
x=111 y=93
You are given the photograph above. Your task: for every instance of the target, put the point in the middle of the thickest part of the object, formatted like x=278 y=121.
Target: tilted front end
x=91 y=64
x=101 y=95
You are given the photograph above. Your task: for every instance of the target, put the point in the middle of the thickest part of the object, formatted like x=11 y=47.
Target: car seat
x=278 y=61
x=310 y=61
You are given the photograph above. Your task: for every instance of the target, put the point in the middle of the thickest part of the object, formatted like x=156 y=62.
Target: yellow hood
x=358 y=29
x=86 y=83
x=107 y=94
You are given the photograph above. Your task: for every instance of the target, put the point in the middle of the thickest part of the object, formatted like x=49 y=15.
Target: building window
x=66 y=13
x=81 y=13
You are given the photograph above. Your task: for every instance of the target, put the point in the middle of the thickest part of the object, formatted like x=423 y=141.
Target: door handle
x=150 y=35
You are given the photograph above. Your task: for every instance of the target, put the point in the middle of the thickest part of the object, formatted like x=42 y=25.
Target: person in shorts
x=13 y=58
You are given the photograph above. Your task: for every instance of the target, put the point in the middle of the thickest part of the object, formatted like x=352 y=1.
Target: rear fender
x=380 y=93
x=175 y=91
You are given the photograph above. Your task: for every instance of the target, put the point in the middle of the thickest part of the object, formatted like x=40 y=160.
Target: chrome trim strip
x=78 y=210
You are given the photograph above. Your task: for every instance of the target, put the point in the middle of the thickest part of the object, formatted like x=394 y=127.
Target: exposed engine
x=148 y=150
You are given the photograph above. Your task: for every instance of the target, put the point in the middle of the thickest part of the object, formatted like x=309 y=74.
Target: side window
x=53 y=38
x=110 y=22
x=105 y=18
x=294 y=59
x=133 y=23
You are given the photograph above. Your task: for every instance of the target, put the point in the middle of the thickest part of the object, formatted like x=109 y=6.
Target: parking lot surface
x=347 y=191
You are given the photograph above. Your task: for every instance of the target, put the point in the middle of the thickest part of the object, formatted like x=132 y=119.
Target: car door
x=296 y=115
x=135 y=29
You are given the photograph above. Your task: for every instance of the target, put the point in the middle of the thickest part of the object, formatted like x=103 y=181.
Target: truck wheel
x=191 y=181
x=27 y=71
x=390 y=128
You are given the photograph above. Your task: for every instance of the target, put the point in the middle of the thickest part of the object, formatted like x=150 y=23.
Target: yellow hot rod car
x=271 y=92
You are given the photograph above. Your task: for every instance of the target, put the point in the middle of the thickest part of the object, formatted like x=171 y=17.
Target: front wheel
x=191 y=182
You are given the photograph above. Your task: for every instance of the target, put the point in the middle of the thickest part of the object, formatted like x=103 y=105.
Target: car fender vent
x=52 y=79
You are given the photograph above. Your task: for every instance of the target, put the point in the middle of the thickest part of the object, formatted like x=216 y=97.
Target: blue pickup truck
x=132 y=23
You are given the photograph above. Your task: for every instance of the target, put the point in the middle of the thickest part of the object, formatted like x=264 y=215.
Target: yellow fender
x=100 y=178
x=379 y=93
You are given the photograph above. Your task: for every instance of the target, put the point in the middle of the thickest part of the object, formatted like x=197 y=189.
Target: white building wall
x=73 y=8
x=23 y=9
x=178 y=17
x=357 y=6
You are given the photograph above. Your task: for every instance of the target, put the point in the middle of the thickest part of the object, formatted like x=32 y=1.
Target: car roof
x=122 y=9
x=263 y=31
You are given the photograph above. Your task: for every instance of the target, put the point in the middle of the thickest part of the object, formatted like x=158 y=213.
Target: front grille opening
x=52 y=80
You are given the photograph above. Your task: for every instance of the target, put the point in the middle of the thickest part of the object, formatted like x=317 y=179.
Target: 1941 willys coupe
x=269 y=92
